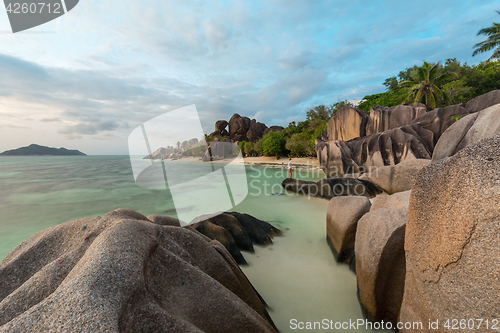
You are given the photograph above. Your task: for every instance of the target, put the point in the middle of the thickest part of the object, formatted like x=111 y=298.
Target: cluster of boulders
x=427 y=249
x=356 y=141
x=173 y=153
x=241 y=129
x=224 y=143
x=126 y=272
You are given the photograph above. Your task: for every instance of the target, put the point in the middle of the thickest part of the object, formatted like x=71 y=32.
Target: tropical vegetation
x=492 y=42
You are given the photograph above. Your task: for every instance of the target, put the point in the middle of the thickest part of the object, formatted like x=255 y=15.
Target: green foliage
x=273 y=143
x=469 y=82
x=457 y=91
x=423 y=86
x=299 y=145
x=492 y=42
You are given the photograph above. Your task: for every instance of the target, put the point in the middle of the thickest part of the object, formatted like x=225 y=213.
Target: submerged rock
x=453 y=239
x=124 y=273
x=331 y=187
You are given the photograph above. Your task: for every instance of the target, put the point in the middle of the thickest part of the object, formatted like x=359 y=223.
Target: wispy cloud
x=100 y=74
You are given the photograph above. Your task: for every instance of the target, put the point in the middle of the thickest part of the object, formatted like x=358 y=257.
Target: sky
x=87 y=79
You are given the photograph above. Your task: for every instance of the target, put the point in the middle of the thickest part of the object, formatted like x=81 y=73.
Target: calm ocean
x=297 y=275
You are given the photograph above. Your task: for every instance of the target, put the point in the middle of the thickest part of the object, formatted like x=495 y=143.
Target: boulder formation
x=482 y=102
x=380 y=257
x=382 y=118
x=414 y=140
x=396 y=178
x=346 y=124
x=238 y=125
x=410 y=142
x=342 y=218
x=125 y=273
x=256 y=130
x=453 y=239
x=242 y=129
x=438 y=120
x=466 y=131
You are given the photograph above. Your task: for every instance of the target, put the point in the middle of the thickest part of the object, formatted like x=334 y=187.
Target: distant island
x=37 y=150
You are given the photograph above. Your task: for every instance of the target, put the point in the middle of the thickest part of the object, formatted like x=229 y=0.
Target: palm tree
x=423 y=85
x=493 y=41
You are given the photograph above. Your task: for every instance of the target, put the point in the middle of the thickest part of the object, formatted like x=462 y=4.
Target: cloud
x=99 y=76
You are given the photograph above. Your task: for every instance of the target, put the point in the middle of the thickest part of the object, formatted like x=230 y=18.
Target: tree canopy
x=492 y=42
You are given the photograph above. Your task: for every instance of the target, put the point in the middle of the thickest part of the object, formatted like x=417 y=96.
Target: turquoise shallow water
x=297 y=275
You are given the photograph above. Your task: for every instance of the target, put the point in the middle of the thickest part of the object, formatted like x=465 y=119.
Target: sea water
x=297 y=275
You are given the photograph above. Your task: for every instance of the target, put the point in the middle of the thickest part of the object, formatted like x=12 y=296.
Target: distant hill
x=33 y=150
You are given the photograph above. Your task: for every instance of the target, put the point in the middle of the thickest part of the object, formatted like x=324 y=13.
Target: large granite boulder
x=410 y=142
x=256 y=130
x=124 y=273
x=380 y=262
x=238 y=125
x=453 y=239
x=347 y=123
x=484 y=101
x=331 y=187
x=391 y=201
x=342 y=218
x=469 y=129
x=383 y=118
x=395 y=178
x=438 y=120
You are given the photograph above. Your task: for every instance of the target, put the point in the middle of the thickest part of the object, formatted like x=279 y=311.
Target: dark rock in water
x=331 y=187
x=452 y=242
x=237 y=232
x=222 y=235
x=124 y=273
x=260 y=232
x=231 y=224
x=37 y=150
x=483 y=102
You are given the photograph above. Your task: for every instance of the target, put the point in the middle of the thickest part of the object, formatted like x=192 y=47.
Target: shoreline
x=270 y=161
